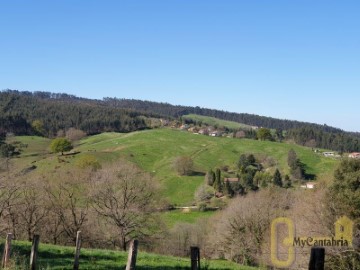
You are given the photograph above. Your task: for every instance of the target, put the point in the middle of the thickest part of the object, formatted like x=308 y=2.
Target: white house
x=329 y=154
x=309 y=185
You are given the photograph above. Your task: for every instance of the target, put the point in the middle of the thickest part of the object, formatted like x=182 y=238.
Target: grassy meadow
x=212 y=121
x=52 y=257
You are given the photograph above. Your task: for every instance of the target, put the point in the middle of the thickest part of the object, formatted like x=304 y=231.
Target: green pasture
x=53 y=257
x=155 y=151
x=212 y=121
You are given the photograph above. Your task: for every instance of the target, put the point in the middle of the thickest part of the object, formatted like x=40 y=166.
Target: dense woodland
x=245 y=118
x=316 y=137
x=40 y=113
x=46 y=113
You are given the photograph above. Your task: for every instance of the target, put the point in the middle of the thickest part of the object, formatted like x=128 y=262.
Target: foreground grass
x=61 y=258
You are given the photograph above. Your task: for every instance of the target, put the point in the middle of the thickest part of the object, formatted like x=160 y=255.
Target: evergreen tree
x=297 y=168
x=243 y=162
x=218 y=185
x=247 y=181
x=277 y=180
x=251 y=159
x=343 y=199
x=228 y=189
x=279 y=135
x=238 y=189
x=345 y=190
x=292 y=159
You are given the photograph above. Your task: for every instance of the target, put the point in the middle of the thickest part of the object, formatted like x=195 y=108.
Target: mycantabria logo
x=342 y=238
x=320 y=242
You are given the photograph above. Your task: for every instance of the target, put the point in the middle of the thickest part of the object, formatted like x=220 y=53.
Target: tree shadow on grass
x=195 y=173
x=310 y=176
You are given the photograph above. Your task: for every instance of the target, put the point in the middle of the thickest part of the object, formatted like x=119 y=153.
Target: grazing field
x=155 y=151
x=53 y=257
x=212 y=121
x=192 y=216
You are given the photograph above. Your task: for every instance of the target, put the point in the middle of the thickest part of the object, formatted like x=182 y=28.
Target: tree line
x=245 y=118
x=25 y=114
x=303 y=133
x=315 y=137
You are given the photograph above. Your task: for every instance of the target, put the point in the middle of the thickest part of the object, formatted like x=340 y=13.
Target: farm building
x=231 y=180
x=354 y=155
x=309 y=185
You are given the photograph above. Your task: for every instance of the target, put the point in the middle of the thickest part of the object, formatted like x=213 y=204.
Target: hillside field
x=212 y=121
x=155 y=151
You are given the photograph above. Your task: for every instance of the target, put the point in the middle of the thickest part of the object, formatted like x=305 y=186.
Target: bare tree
x=74 y=134
x=125 y=196
x=183 y=165
x=9 y=202
x=70 y=204
x=241 y=230
x=32 y=210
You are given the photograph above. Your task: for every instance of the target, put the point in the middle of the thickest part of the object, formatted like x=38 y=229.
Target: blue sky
x=295 y=60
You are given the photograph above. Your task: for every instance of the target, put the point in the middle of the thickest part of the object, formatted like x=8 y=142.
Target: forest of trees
x=25 y=113
x=245 y=118
x=315 y=137
x=45 y=113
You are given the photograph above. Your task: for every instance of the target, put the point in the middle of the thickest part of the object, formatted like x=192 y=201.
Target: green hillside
x=212 y=121
x=155 y=151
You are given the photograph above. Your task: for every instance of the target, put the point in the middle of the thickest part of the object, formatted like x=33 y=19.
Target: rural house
x=309 y=185
x=354 y=155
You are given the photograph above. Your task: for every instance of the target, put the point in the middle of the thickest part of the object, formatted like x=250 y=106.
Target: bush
x=202 y=207
x=204 y=193
x=89 y=161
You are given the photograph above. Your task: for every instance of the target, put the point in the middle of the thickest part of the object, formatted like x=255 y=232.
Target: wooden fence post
x=195 y=258
x=131 y=262
x=34 y=251
x=7 y=250
x=77 y=250
x=317 y=258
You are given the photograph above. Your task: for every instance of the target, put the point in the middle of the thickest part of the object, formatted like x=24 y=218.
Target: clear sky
x=288 y=59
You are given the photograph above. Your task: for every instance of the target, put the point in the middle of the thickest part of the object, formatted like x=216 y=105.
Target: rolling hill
x=155 y=151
